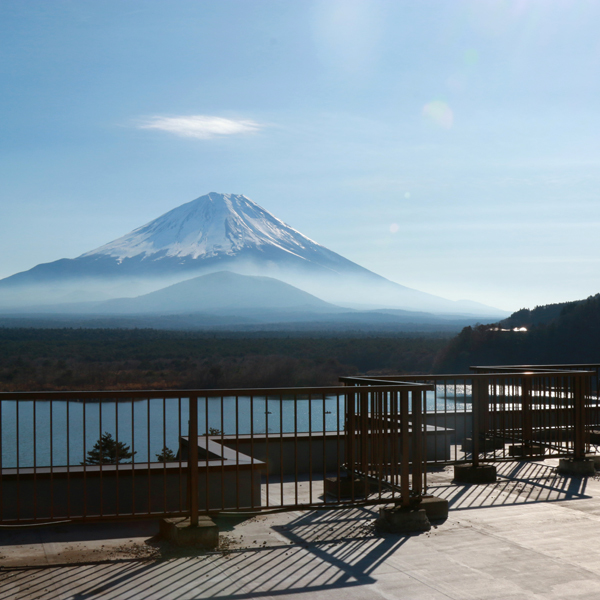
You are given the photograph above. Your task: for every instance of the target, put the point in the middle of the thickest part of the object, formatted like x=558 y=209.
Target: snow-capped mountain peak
x=214 y=224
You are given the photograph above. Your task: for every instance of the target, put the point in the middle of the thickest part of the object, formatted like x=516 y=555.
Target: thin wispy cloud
x=203 y=127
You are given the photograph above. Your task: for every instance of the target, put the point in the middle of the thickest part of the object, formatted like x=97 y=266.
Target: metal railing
x=506 y=413
x=124 y=454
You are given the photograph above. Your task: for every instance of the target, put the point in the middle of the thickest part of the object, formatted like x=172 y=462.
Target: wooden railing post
x=417 y=442
x=475 y=409
x=579 y=398
x=193 y=460
x=527 y=425
x=350 y=424
x=404 y=466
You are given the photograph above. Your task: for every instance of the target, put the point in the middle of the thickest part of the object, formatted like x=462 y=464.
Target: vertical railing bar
x=364 y=430
x=133 y=507
x=267 y=474
x=117 y=466
x=180 y=454
x=337 y=437
x=193 y=459
x=464 y=411
x=1 y=461
x=51 y=404
x=475 y=410
x=516 y=412
x=417 y=430
x=164 y=428
x=252 y=471
x=561 y=419
x=101 y=455
x=395 y=422
x=296 y=449
x=237 y=455
x=164 y=456
x=546 y=415
x=18 y=452
x=579 y=441
x=310 y=448
x=148 y=466
x=557 y=400
x=425 y=436
x=68 y=459
x=435 y=421
x=281 y=441
x=380 y=435
x=35 y=487
x=222 y=455
x=504 y=416
x=405 y=468
x=387 y=460
x=85 y=488
x=570 y=410
x=207 y=458
x=446 y=445
x=324 y=450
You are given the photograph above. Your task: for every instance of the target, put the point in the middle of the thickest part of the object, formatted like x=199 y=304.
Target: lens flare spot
x=394 y=227
x=439 y=113
x=407 y=195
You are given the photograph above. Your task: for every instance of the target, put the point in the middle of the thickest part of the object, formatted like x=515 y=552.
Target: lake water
x=65 y=431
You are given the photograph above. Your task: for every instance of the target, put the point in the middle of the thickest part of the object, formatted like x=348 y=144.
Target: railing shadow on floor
x=520 y=482
x=328 y=550
x=325 y=550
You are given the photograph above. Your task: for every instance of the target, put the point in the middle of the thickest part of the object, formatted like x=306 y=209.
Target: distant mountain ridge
x=218 y=232
x=220 y=292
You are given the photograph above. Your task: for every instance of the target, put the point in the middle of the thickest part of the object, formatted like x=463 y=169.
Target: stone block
x=435 y=508
x=576 y=468
x=467 y=473
x=595 y=458
x=179 y=531
x=402 y=520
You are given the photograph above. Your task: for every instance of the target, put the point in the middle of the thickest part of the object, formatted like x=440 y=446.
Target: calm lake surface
x=57 y=433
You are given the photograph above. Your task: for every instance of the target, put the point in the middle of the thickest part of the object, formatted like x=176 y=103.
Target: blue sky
x=450 y=146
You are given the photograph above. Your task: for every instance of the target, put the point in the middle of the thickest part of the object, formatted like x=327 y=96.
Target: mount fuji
x=216 y=232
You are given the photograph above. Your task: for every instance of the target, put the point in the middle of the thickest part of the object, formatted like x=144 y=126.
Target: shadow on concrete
x=518 y=483
x=320 y=551
x=330 y=550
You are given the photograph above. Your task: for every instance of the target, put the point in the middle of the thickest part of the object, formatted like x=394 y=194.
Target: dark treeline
x=86 y=359
x=556 y=333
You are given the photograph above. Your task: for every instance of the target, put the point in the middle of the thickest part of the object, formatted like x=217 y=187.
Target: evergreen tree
x=167 y=455
x=107 y=451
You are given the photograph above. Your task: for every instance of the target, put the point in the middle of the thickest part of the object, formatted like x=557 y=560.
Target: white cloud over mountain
x=202 y=127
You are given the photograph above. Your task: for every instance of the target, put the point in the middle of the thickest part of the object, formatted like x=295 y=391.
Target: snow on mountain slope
x=206 y=227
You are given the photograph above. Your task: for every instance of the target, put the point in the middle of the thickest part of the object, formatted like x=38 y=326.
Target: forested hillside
x=556 y=333
x=63 y=359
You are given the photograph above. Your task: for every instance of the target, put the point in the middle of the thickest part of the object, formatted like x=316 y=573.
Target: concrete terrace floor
x=533 y=534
